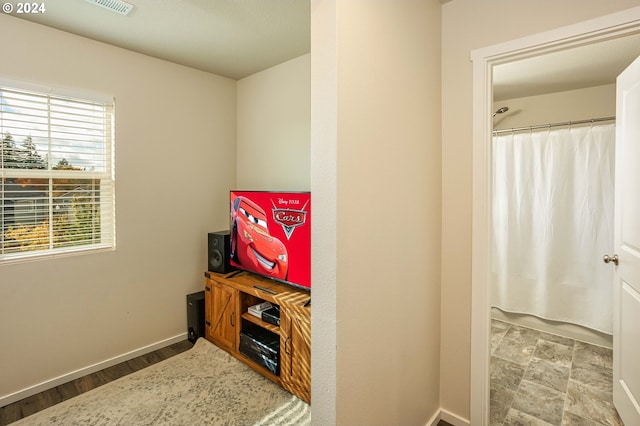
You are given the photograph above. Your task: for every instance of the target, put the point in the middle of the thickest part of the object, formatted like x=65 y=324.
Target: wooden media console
x=227 y=301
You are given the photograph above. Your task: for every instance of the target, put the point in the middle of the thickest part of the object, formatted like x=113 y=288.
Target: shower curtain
x=553 y=222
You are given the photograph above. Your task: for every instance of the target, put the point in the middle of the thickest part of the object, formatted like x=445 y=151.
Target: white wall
x=175 y=163
x=274 y=109
x=376 y=277
x=468 y=25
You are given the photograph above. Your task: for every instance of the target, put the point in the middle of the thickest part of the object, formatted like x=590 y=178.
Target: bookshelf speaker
x=219 y=252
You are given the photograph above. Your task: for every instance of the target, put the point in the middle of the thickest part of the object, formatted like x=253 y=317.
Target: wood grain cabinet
x=295 y=351
x=220 y=318
x=227 y=300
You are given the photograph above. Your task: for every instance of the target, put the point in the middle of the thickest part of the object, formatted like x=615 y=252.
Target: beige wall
x=274 y=108
x=571 y=105
x=382 y=134
x=468 y=25
x=174 y=164
x=324 y=178
x=387 y=186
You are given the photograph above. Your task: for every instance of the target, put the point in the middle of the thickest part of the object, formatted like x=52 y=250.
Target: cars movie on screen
x=271 y=234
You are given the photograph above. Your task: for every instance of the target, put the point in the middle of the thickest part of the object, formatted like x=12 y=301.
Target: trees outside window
x=56 y=186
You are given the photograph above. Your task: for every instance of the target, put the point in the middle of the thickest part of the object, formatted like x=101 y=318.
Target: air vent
x=117 y=6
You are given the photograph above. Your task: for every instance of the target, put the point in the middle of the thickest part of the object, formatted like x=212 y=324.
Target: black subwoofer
x=195 y=316
x=219 y=252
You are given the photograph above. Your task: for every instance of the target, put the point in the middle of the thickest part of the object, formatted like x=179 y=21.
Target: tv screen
x=271 y=235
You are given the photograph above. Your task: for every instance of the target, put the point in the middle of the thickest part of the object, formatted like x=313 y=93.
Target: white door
x=626 y=309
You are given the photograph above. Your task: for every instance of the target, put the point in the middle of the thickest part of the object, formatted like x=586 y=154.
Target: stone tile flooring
x=541 y=379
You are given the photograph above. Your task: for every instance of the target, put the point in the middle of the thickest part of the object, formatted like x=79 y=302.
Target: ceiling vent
x=117 y=6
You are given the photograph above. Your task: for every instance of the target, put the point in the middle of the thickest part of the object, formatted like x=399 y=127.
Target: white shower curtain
x=553 y=222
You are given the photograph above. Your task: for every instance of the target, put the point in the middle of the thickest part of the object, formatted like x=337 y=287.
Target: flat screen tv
x=271 y=235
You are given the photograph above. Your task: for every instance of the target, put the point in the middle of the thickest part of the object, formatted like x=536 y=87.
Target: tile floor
x=542 y=379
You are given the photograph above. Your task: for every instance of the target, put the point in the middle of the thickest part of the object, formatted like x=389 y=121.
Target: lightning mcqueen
x=252 y=247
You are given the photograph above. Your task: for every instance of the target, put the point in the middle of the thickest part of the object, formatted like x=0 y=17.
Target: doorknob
x=608 y=259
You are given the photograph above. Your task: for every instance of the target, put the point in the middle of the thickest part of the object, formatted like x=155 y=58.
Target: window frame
x=101 y=235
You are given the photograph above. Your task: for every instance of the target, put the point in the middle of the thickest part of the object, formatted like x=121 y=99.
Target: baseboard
x=448 y=417
x=43 y=386
x=453 y=419
x=433 y=421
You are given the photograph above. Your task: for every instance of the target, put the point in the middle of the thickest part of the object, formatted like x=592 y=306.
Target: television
x=270 y=235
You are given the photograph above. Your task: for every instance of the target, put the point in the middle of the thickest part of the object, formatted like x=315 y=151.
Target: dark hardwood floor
x=35 y=403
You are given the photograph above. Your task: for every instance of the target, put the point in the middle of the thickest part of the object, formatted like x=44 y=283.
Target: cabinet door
x=295 y=353
x=223 y=315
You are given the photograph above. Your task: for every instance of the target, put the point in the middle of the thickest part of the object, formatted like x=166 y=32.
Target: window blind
x=56 y=170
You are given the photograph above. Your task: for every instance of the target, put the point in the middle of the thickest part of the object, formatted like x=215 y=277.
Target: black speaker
x=219 y=252
x=195 y=316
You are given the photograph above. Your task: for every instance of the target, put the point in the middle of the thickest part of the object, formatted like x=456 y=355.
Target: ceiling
x=231 y=38
x=586 y=66
x=237 y=38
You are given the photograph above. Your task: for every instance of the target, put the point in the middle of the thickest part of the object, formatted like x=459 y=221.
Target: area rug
x=202 y=386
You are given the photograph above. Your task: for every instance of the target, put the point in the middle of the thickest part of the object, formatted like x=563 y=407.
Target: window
x=56 y=174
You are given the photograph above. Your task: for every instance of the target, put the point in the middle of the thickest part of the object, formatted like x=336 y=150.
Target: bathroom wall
x=571 y=105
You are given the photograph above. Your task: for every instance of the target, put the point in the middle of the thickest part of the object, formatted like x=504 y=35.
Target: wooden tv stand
x=227 y=299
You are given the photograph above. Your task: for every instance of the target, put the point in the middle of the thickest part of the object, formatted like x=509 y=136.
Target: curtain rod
x=546 y=126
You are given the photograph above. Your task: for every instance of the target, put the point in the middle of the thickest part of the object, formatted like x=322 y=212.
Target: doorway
x=485 y=62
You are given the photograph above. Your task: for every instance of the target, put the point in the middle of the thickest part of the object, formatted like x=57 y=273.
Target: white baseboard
x=56 y=381
x=447 y=417
x=453 y=419
x=433 y=421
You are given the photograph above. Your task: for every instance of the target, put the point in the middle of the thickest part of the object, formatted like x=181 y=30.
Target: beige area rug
x=202 y=386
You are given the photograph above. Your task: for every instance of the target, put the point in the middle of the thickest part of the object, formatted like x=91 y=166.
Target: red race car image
x=252 y=247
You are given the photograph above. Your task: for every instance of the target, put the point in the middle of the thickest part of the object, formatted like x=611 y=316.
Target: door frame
x=603 y=28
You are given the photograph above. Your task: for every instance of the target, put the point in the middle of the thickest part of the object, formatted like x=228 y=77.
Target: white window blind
x=56 y=170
